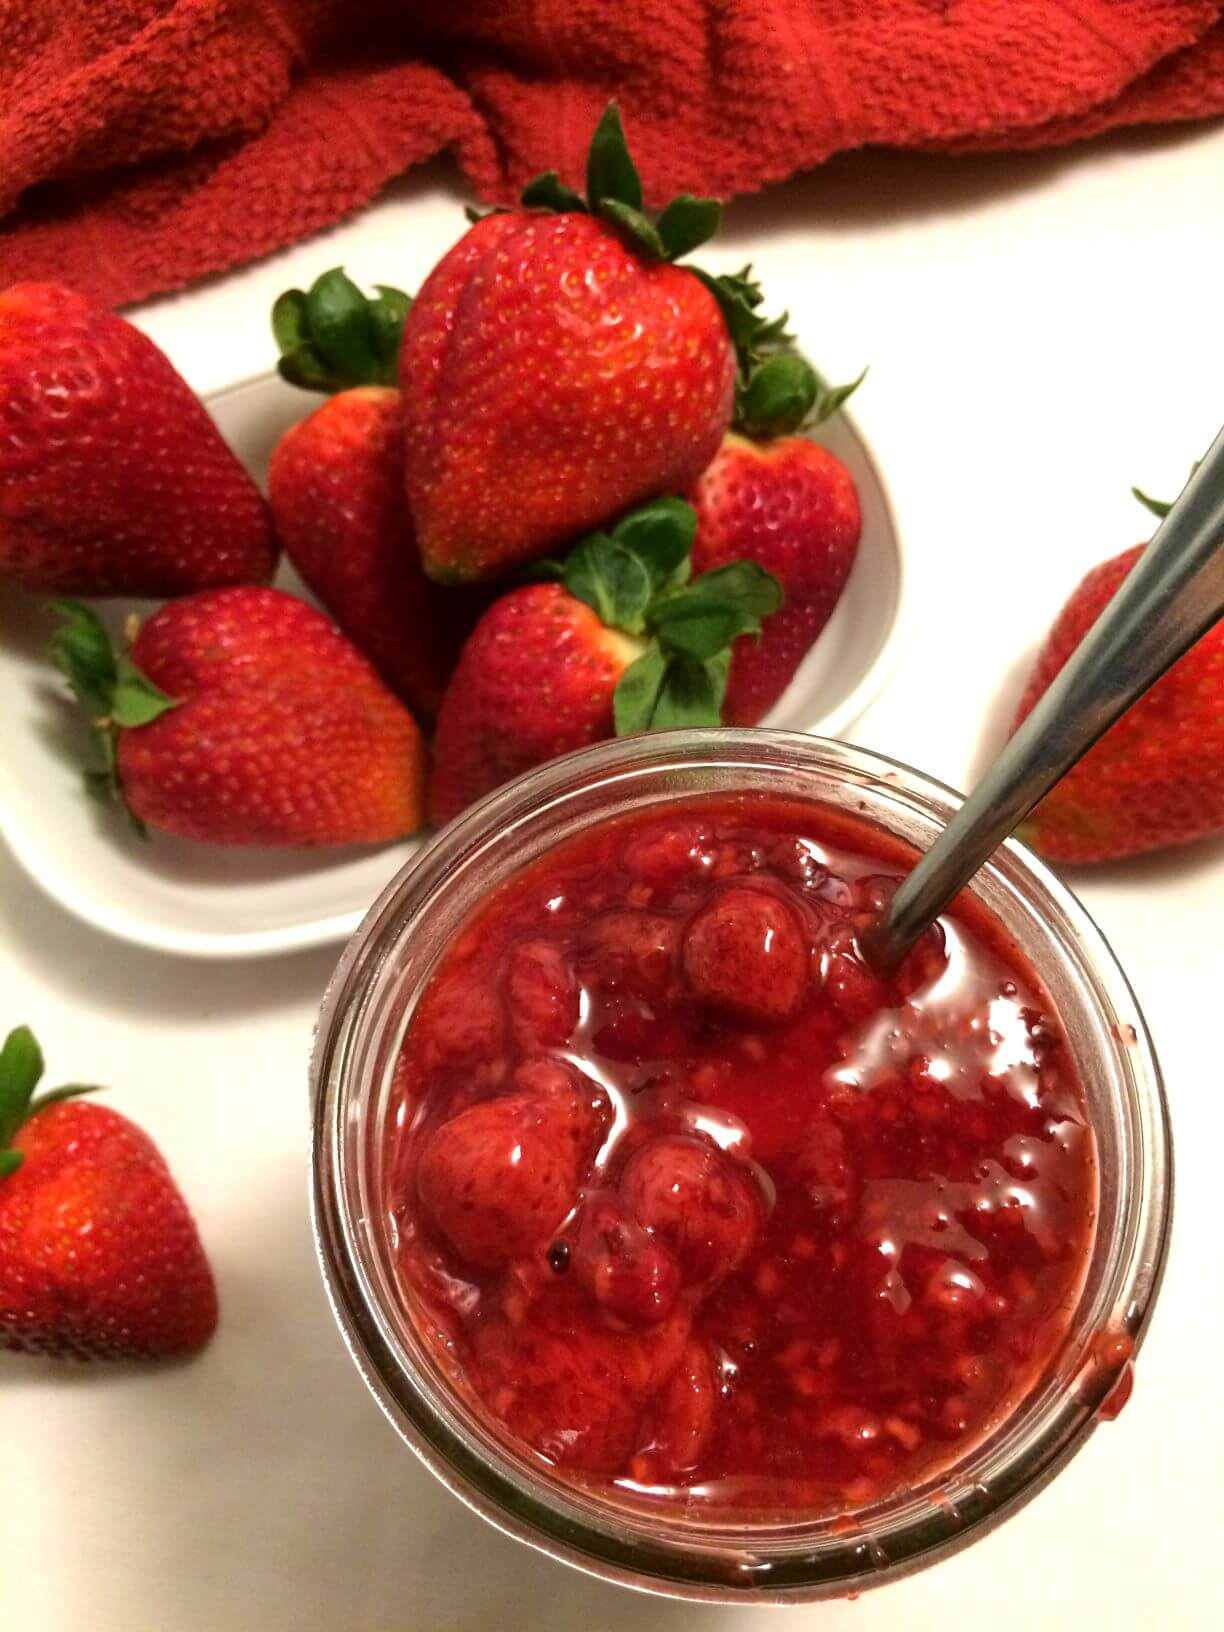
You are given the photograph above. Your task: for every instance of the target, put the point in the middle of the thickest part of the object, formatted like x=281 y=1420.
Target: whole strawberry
x=774 y=496
x=622 y=642
x=99 y=1256
x=242 y=716
x=113 y=479
x=1156 y=778
x=336 y=489
x=557 y=367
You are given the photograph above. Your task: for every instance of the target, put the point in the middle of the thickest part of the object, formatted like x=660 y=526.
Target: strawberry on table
x=623 y=641
x=336 y=488
x=113 y=479
x=1156 y=778
x=557 y=367
x=99 y=1256
x=242 y=716
x=773 y=495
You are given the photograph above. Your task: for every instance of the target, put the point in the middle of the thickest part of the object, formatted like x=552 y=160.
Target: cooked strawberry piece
x=627 y=1271
x=542 y=995
x=498 y=1179
x=746 y=952
x=634 y=950
x=681 y=1420
x=698 y=1201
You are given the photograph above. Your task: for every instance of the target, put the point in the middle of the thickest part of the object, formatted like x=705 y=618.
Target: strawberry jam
x=691 y=1201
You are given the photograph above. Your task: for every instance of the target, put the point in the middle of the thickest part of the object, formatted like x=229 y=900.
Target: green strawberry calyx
x=614 y=194
x=332 y=336
x=638 y=578
x=109 y=687
x=777 y=390
x=21 y=1069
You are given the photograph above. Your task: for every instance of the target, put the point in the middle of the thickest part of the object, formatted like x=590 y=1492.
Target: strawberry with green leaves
x=558 y=366
x=113 y=479
x=243 y=716
x=619 y=639
x=336 y=487
x=773 y=495
x=99 y=1256
x=1156 y=778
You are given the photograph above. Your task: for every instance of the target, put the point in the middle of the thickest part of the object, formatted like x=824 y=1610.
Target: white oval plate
x=220 y=902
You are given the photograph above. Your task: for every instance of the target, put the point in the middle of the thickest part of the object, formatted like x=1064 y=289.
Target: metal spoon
x=1171 y=596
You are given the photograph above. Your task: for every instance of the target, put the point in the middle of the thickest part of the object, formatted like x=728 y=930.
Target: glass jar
x=796 y=1558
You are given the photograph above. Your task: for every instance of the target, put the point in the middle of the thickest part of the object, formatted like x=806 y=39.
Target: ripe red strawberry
x=557 y=368
x=622 y=645
x=113 y=479
x=1156 y=778
x=792 y=506
x=336 y=489
x=243 y=716
x=99 y=1257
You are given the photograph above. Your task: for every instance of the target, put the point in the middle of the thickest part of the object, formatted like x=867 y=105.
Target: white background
x=1043 y=330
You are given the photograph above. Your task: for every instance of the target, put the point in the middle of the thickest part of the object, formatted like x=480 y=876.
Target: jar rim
x=722 y=1562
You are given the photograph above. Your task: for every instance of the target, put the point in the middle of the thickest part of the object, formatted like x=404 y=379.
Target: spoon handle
x=1171 y=596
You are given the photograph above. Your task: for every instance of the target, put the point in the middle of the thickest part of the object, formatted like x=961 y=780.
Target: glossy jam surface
x=690 y=1201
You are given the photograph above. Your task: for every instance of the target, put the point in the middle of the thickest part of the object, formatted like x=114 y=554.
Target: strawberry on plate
x=1156 y=778
x=620 y=641
x=99 y=1256
x=113 y=479
x=242 y=716
x=773 y=495
x=336 y=488
x=557 y=367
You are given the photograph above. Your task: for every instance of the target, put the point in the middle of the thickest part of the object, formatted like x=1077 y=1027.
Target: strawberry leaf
x=611 y=173
x=611 y=580
x=136 y=699
x=704 y=617
x=549 y=192
x=687 y=223
x=780 y=394
x=637 y=692
x=661 y=535
x=333 y=336
x=21 y=1067
x=691 y=693
x=832 y=397
x=10 y=1161
x=636 y=227
x=1158 y=507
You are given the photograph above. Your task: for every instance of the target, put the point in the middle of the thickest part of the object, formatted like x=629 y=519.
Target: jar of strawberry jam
x=680 y=1243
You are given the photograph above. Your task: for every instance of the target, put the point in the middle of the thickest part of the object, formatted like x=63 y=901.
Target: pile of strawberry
x=523 y=505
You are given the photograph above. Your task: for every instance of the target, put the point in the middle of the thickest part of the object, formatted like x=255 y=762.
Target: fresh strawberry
x=113 y=479
x=242 y=716
x=746 y=953
x=336 y=489
x=99 y=1257
x=621 y=644
x=558 y=367
x=1156 y=778
x=791 y=505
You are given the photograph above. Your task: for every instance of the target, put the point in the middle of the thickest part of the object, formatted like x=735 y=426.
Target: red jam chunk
x=690 y=1200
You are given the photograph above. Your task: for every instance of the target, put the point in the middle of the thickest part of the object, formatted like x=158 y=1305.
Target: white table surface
x=1043 y=330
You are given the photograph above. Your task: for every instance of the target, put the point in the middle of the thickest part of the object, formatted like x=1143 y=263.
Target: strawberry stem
x=332 y=337
x=113 y=692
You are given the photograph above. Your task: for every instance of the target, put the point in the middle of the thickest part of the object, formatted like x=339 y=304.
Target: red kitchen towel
x=145 y=143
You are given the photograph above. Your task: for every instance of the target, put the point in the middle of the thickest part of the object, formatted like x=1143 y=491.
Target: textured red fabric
x=144 y=143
